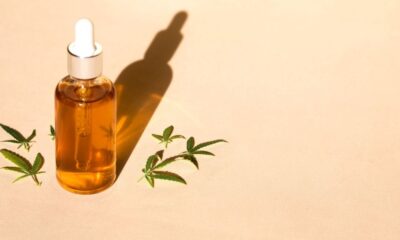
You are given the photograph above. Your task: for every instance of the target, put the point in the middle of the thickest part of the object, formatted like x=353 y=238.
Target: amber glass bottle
x=85 y=119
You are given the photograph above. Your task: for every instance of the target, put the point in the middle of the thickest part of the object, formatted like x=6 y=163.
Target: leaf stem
x=34 y=177
x=140 y=179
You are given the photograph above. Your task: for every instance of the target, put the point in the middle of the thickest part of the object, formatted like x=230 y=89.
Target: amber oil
x=85 y=114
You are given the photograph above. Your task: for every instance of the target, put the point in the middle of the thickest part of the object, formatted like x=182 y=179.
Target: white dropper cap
x=84 y=54
x=84 y=42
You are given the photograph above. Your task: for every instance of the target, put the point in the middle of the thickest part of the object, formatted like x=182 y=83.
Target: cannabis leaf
x=52 y=132
x=165 y=175
x=156 y=161
x=23 y=165
x=192 y=150
x=18 y=137
x=150 y=172
x=205 y=144
x=167 y=137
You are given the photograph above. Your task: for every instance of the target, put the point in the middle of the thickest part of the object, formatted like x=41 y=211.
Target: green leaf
x=15 y=169
x=167 y=132
x=205 y=144
x=38 y=164
x=17 y=159
x=21 y=177
x=52 y=132
x=160 y=154
x=168 y=161
x=204 y=153
x=33 y=134
x=159 y=137
x=155 y=162
x=190 y=144
x=164 y=175
x=176 y=137
x=193 y=160
x=17 y=135
x=11 y=141
x=150 y=161
x=150 y=180
x=164 y=163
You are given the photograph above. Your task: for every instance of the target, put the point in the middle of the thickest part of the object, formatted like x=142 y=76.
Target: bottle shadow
x=141 y=86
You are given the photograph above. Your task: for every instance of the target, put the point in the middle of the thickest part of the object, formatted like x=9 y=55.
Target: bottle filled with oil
x=85 y=118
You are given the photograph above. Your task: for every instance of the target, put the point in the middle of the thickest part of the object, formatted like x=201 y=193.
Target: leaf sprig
x=22 y=165
x=167 y=137
x=156 y=161
x=26 y=142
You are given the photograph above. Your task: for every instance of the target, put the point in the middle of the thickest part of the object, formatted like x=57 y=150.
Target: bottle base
x=80 y=186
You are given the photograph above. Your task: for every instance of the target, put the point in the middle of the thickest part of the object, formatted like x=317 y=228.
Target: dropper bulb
x=84 y=39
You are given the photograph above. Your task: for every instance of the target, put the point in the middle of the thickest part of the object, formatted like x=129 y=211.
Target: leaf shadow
x=141 y=86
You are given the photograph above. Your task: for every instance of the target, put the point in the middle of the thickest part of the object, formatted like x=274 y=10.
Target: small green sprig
x=22 y=165
x=192 y=150
x=156 y=161
x=52 y=132
x=151 y=170
x=167 y=136
x=19 y=138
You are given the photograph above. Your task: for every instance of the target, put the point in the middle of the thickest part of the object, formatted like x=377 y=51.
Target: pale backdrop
x=306 y=92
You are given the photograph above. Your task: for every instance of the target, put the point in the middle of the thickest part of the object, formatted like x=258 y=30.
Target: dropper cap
x=84 y=54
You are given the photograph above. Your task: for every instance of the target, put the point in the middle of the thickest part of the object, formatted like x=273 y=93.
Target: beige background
x=307 y=93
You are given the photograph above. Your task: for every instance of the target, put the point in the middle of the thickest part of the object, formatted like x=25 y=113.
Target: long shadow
x=141 y=86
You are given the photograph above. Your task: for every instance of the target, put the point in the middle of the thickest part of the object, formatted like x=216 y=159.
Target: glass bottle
x=85 y=118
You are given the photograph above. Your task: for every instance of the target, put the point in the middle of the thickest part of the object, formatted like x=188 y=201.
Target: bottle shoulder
x=87 y=91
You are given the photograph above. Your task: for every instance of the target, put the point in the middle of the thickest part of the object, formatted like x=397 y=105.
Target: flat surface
x=307 y=93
